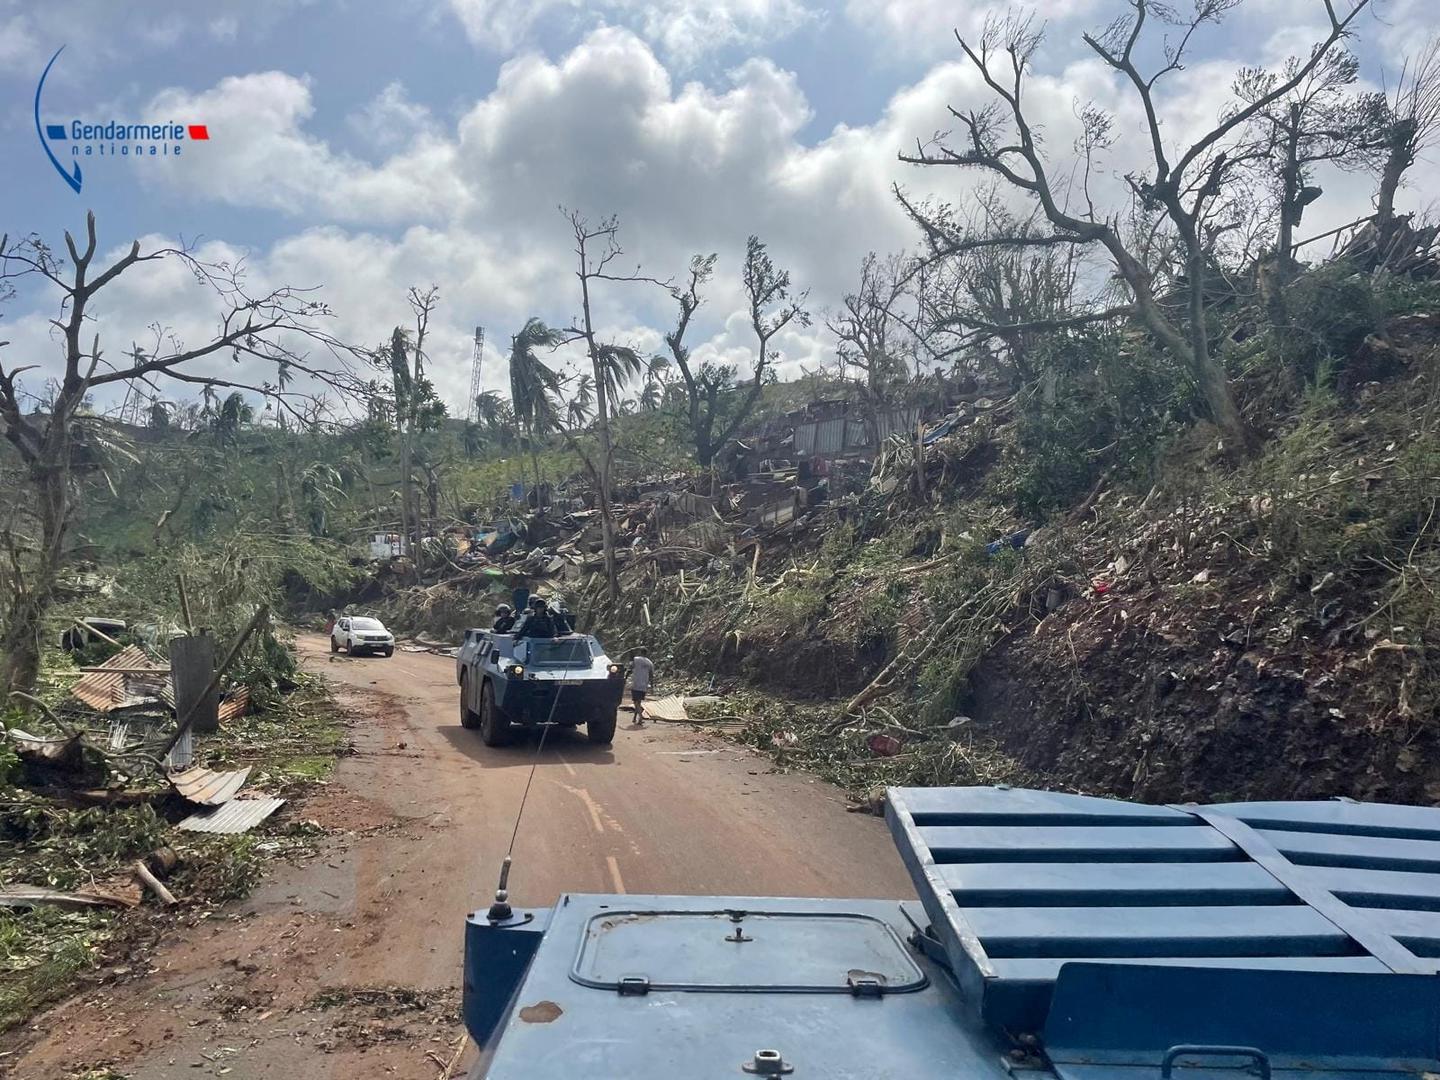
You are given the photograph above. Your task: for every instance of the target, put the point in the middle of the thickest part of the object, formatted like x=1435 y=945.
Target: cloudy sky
x=368 y=147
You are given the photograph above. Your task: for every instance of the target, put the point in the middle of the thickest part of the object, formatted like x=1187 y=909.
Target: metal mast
x=471 y=410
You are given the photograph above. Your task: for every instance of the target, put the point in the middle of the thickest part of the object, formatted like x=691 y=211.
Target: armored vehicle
x=508 y=683
x=1056 y=937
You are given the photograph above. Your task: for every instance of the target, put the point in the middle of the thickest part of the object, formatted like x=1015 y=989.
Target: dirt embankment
x=1136 y=696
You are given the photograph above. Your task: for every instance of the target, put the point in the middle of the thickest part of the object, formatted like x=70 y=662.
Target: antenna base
x=500 y=911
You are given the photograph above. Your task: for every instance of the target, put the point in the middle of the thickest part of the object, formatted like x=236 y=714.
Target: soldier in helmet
x=504 y=619
x=538 y=623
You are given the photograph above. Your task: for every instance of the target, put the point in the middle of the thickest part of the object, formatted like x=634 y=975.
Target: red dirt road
x=348 y=964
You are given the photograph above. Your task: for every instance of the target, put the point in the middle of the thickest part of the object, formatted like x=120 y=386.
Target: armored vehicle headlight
x=516 y=670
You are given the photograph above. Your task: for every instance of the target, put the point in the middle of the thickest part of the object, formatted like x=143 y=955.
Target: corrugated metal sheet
x=109 y=690
x=898 y=422
x=1020 y=883
x=183 y=752
x=236 y=705
x=236 y=816
x=208 y=787
x=843 y=434
x=667 y=708
x=46 y=747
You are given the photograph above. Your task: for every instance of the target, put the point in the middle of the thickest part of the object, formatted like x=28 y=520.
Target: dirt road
x=349 y=964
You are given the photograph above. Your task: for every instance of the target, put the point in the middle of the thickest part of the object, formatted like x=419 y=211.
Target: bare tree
x=1414 y=124
x=418 y=403
x=867 y=322
x=1320 y=121
x=415 y=407
x=714 y=410
x=773 y=307
x=272 y=327
x=597 y=247
x=1002 y=140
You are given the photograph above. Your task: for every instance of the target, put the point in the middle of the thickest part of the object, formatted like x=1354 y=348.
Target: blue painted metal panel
x=1133 y=1015
x=1356 y=852
x=497 y=955
x=762 y=950
x=1163 y=931
x=1029 y=843
x=1016 y=884
x=1025 y=806
x=1339 y=816
x=559 y=1029
x=1056 y=884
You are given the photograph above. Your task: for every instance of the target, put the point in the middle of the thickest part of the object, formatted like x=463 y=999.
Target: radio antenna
x=500 y=910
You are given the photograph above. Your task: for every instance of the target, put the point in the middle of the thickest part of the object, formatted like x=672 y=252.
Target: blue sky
x=367 y=147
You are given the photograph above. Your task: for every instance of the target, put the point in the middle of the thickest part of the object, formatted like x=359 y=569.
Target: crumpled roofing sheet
x=236 y=816
x=108 y=690
x=667 y=708
x=208 y=787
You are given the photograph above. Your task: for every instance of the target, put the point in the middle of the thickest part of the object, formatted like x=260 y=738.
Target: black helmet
x=538 y=603
x=503 y=609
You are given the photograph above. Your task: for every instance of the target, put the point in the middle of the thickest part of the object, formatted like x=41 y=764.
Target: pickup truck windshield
x=558 y=652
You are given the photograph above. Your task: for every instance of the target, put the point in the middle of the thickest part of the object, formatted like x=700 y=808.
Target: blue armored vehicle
x=508 y=682
x=1056 y=937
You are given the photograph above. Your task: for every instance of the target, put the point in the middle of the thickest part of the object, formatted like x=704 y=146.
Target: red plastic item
x=882 y=745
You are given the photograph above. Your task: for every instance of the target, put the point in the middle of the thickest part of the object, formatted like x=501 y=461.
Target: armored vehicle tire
x=494 y=725
x=600 y=728
x=469 y=718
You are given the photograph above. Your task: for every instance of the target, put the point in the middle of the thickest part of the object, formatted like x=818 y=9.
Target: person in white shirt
x=642 y=673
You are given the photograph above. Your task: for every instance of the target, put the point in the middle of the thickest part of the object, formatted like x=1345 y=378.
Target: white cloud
x=17 y=41
x=605 y=128
x=683 y=30
x=926 y=28
x=260 y=154
x=391 y=119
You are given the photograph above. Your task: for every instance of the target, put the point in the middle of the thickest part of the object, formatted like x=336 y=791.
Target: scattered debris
x=128 y=680
x=235 y=704
x=207 y=787
x=667 y=708
x=46 y=749
x=27 y=896
x=236 y=816
x=884 y=745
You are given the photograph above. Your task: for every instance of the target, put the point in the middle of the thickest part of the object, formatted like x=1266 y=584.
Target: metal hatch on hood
x=744 y=951
x=1019 y=884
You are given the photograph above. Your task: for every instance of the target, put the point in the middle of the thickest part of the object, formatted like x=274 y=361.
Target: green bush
x=1104 y=404
x=1332 y=311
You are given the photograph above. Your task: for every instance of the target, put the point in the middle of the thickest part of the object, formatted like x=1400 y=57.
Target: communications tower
x=472 y=411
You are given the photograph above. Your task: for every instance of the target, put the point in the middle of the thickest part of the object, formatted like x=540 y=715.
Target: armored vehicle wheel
x=600 y=728
x=469 y=718
x=494 y=726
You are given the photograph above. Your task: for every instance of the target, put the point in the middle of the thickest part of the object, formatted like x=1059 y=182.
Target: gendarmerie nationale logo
x=70 y=141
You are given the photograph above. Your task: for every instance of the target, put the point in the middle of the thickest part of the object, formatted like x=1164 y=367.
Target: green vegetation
x=41 y=954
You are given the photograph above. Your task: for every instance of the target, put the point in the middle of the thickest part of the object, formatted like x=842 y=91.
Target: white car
x=359 y=633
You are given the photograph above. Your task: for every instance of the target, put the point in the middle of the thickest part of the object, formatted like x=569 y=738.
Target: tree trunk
x=1209 y=375
x=1400 y=157
x=32 y=596
x=1193 y=352
x=602 y=431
